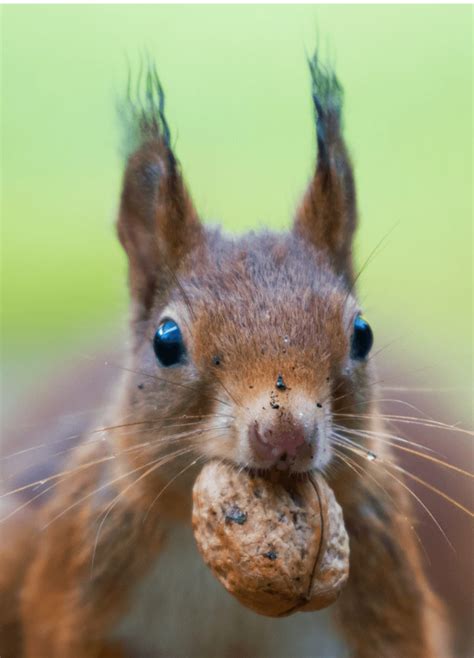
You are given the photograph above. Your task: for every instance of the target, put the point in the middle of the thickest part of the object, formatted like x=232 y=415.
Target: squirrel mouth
x=304 y=455
x=286 y=462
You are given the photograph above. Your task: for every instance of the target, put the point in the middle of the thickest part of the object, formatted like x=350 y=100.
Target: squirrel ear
x=327 y=215
x=157 y=222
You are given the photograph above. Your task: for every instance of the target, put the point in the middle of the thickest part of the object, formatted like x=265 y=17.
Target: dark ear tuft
x=142 y=110
x=157 y=223
x=327 y=215
x=328 y=97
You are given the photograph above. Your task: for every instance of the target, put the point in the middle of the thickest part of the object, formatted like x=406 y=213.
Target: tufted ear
x=157 y=223
x=327 y=215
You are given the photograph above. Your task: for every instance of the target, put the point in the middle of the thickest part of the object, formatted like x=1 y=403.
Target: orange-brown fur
x=249 y=308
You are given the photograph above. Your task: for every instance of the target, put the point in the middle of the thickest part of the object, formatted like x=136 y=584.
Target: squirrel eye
x=362 y=339
x=168 y=344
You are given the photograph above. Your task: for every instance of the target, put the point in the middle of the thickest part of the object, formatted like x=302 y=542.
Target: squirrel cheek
x=219 y=443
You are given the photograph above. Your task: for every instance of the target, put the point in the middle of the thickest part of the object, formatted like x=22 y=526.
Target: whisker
x=369 y=258
x=170 y=482
x=435 y=460
x=135 y=432
x=151 y=421
x=44 y=424
x=412 y=493
x=393 y=400
x=28 y=502
x=367 y=453
x=373 y=355
x=410 y=419
x=166 y=381
x=242 y=468
x=381 y=381
x=424 y=389
x=344 y=459
x=182 y=291
x=218 y=380
x=101 y=460
x=372 y=434
x=156 y=462
x=427 y=510
x=434 y=490
x=109 y=428
x=364 y=473
x=111 y=506
x=57 y=476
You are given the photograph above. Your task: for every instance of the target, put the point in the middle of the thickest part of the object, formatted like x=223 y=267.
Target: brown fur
x=250 y=309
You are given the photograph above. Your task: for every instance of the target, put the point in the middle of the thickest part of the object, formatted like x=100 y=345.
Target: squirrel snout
x=284 y=429
x=274 y=442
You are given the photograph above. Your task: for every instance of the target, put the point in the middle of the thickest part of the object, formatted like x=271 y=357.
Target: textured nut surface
x=277 y=548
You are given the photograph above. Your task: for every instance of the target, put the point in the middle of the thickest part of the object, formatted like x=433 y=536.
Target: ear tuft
x=327 y=215
x=157 y=223
x=328 y=97
x=142 y=110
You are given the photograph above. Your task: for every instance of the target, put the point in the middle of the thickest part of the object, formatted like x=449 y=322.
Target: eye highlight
x=168 y=344
x=362 y=339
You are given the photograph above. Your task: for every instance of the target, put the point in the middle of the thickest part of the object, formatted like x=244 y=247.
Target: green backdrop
x=240 y=111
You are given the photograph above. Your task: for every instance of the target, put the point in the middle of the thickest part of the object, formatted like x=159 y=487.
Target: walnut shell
x=277 y=548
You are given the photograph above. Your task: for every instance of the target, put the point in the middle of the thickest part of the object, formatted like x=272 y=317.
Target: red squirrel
x=253 y=350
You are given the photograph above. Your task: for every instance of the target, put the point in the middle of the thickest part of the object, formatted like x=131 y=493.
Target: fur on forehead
x=265 y=291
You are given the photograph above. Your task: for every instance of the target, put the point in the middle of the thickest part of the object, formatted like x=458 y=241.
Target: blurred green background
x=240 y=110
x=239 y=105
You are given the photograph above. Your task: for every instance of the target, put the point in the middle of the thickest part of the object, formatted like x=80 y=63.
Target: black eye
x=362 y=339
x=168 y=344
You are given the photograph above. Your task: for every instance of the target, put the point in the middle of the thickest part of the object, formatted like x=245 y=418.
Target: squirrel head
x=245 y=347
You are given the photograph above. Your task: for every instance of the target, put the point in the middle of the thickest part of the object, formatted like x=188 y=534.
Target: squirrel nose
x=277 y=440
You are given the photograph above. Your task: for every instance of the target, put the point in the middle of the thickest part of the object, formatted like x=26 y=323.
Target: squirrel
x=253 y=350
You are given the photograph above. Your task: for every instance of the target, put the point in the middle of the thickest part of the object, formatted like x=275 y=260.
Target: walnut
x=278 y=547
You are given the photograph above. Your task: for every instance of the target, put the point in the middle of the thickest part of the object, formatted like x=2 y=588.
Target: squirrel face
x=255 y=346
x=252 y=343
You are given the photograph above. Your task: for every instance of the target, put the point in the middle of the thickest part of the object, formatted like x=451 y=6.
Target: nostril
x=260 y=443
x=274 y=442
x=286 y=441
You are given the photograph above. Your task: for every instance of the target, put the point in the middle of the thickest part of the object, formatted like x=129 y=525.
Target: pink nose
x=272 y=443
